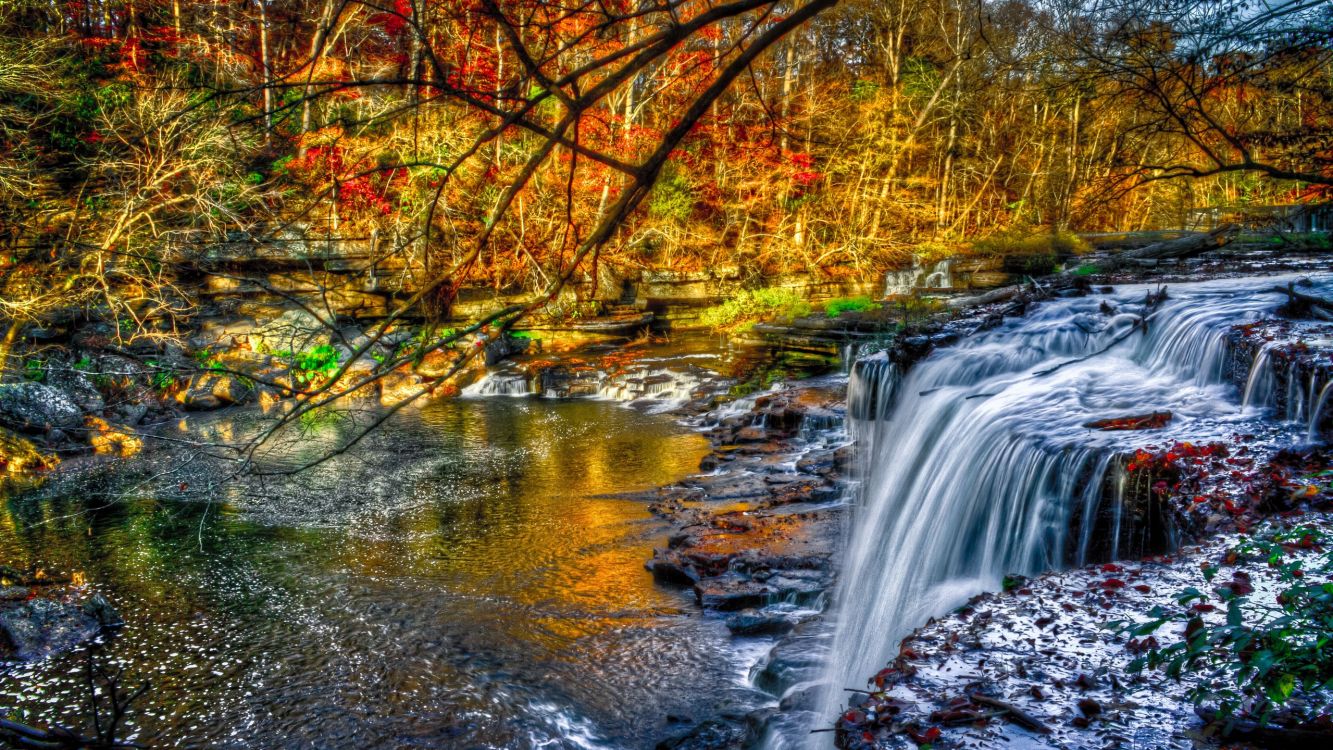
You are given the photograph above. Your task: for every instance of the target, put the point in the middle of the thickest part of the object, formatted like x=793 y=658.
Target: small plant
x=835 y=307
x=319 y=362
x=1266 y=655
x=163 y=378
x=84 y=364
x=752 y=305
x=1087 y=269
x=34 y=369
x=208 y=360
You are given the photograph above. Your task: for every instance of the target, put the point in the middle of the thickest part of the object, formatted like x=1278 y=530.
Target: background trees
x=520 y=145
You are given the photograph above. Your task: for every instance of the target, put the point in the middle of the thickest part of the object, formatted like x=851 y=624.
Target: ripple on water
x=457 y=583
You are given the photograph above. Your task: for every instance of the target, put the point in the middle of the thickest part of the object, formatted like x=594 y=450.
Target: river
x=462 y=580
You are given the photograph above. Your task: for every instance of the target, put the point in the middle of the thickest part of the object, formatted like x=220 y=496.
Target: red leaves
x=1137 y=646
x=927 y=737
x=1153 y=421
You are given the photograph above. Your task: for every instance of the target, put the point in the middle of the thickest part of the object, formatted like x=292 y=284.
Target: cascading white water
x=499 y=383
x=905 y=281
x=972 y=464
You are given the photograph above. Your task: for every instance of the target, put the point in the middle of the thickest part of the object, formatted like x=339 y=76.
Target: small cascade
x=1286 y=382
x=908 y=280
x=1261 y=385
x=941 y=276
x=500 y=383
x=901 y=282
x=656 y=388
x=977 y=462
x=1317 y=412
x=871 y=391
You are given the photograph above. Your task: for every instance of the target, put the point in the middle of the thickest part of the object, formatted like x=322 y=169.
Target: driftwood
x=1267 y=735
x=1002 y=294
x=1154 y=421
x=1300 y=305
x=1181 y=247
x=1014 y=713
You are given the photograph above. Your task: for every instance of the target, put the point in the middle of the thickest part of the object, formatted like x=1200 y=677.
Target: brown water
x=455 y=583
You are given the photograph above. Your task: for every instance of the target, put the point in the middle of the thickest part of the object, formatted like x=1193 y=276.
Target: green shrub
x=163 y=378
x=207 y=359
x=672 y=200
x=321 y=361
x=751 y=305
x=1044 y=243
x=1267 y=654
x=34 y=369
x=835 y=307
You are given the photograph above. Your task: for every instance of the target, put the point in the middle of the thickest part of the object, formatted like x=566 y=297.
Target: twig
x=1019 y=716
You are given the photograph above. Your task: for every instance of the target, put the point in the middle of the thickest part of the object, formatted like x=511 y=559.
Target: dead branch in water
x=1299 y=305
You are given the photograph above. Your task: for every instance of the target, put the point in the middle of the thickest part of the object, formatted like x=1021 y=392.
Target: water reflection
x=456 y=583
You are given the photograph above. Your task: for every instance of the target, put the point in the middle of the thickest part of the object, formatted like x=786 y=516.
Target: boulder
x=38 y=628
x=37 y=408
x=18 y=455
x=112 y=440
x=759 y=622
x=212 y=390
x=398 y=386
x=77 y=386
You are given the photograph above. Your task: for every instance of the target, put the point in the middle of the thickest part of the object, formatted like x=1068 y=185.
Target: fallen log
x=1267 y=735
x=1299 y=305
x=1154 y=421
x=1003 y=294
x=1181 y=247
x=1014 y=713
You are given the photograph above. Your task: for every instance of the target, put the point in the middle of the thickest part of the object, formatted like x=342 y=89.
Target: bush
x=1045 y=243
x=321 y=361
x=835 y=307
x=752 y=305
x=1265 y=656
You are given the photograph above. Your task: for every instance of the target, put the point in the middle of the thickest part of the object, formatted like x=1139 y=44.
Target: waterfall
x=941 y=276
x=976 y=462
x=499 y=383
x=906 y=280
x=1317 y=411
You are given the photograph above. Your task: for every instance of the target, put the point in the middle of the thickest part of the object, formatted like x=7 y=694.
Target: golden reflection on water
x=467 y=551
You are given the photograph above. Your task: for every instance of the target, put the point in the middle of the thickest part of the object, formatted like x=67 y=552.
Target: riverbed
x=466 y=578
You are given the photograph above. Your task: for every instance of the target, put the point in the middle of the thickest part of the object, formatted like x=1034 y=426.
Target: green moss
x=835 y=307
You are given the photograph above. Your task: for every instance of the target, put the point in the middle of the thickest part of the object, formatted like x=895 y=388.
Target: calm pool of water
x=459 y=581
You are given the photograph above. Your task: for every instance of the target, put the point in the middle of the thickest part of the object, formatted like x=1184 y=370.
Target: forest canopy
x=524 y=144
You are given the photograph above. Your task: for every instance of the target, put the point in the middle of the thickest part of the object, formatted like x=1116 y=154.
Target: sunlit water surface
x=458 y=582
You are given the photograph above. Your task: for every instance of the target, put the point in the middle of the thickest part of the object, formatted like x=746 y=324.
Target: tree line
x=527 y=144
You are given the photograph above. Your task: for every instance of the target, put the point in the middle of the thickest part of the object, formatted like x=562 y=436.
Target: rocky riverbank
x=758 y=529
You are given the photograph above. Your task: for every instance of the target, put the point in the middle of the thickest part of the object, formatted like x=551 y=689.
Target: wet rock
x=41 y=627
x=797 y=659
x=714 y=734
x=759 y=622
x=212 y=390
x=77 y=386
x=131 y=414
x=18 y=455
x=731 y=592
x=37 y=408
